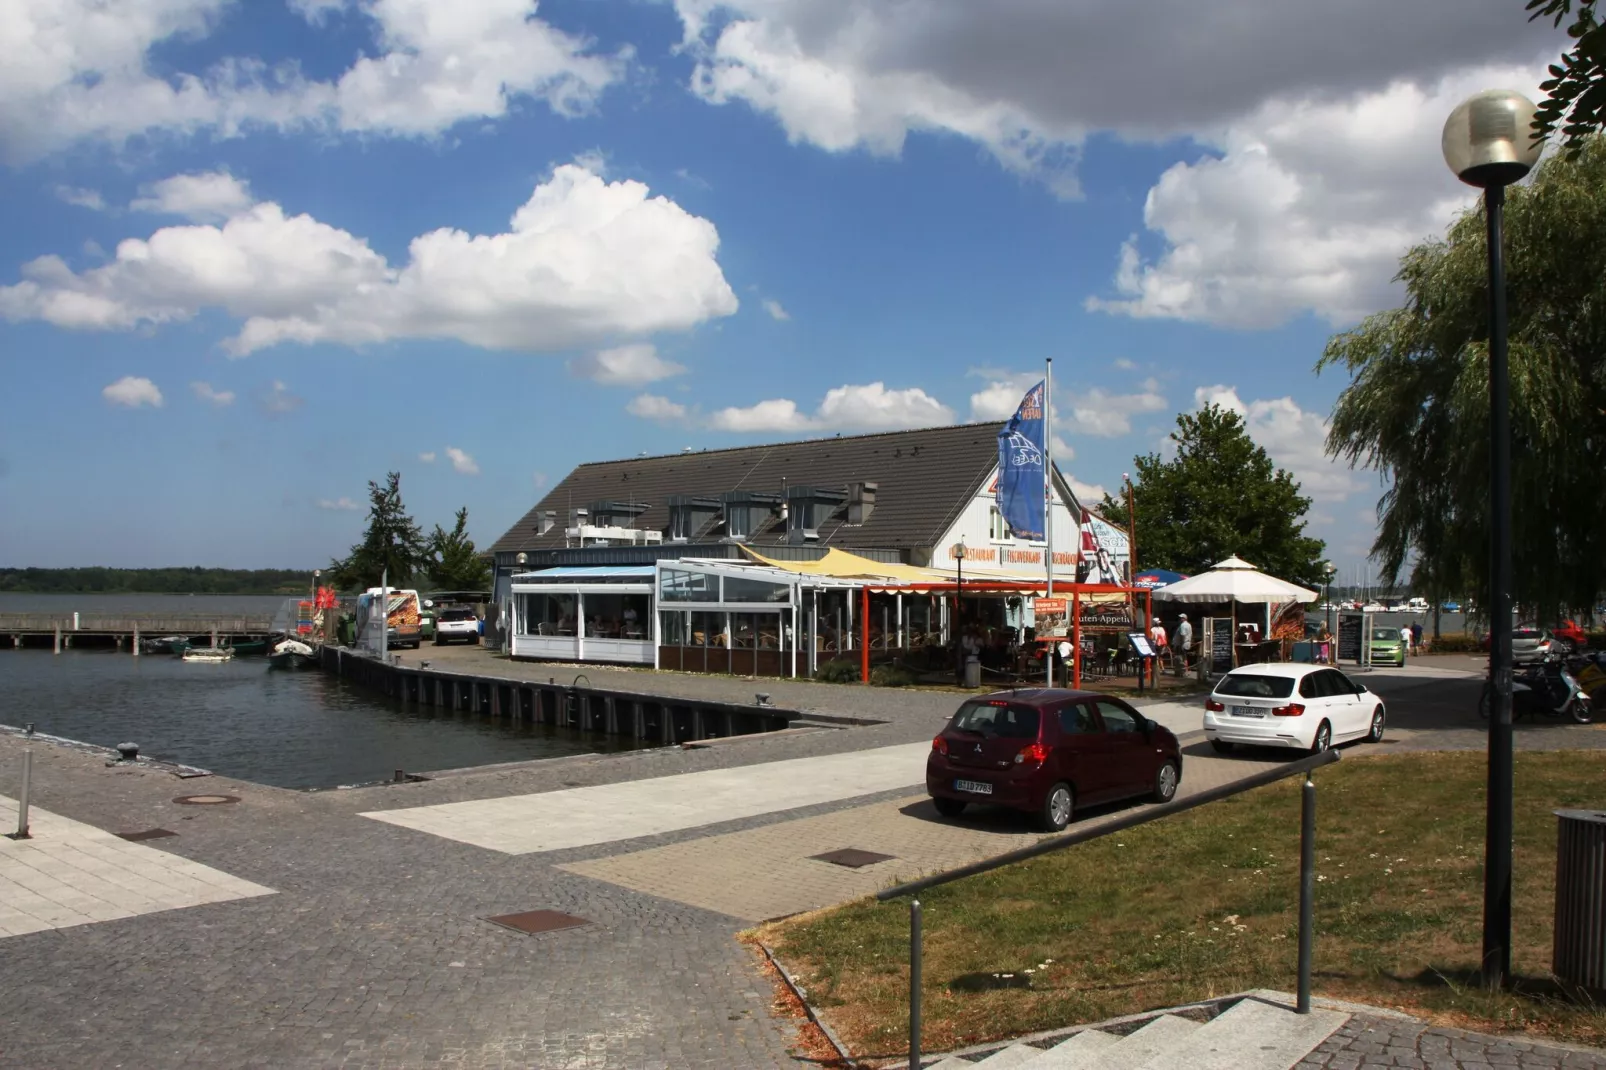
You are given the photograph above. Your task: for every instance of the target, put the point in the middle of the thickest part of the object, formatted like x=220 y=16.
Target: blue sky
x=253 y=255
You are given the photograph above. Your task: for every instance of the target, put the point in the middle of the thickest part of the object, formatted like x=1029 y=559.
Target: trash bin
x=972 y=671
x=1579 y=954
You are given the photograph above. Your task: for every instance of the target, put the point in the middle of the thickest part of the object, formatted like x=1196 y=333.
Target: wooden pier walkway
x=114 y=629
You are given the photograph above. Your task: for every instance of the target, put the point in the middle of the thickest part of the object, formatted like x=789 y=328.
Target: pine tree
x=392 y=545
x=456 y=565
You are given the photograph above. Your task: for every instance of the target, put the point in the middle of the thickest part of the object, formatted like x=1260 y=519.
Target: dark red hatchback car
x=1047 y=751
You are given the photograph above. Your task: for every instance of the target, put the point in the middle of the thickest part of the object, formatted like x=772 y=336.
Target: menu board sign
x=1220 y=644
x=1349 y=637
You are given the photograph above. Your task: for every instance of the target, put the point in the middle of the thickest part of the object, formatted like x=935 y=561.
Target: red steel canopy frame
x=1076 y=591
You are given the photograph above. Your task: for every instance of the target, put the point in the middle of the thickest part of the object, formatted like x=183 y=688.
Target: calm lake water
x=292 y=729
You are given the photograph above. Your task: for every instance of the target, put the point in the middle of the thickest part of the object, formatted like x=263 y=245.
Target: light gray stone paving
x=1371 y=1041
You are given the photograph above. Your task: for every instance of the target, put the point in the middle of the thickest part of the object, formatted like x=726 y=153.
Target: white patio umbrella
x=1235 y=580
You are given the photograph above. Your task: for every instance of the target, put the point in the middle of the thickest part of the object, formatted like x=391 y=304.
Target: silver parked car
x=1530 y=643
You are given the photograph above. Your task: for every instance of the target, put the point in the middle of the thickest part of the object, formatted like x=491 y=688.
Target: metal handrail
x=1307 y=871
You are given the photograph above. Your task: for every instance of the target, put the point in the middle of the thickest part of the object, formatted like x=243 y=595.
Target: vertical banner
x=1095 y=564
x=1020 y=467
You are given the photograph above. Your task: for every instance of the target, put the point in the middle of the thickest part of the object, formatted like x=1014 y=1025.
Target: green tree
x=456 y=565
x=1417 y=407
x=391 y=542
x=1220 y=495
x=1575 y=92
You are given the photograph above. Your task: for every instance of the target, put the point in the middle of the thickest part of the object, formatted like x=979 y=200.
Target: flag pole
x=1048 y=499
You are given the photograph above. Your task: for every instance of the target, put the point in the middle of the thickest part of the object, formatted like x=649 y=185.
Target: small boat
x=249 y=647
x=292 y=654
x=212 y=655
x=167 y=644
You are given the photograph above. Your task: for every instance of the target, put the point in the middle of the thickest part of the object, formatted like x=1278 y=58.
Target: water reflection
x=290 y=729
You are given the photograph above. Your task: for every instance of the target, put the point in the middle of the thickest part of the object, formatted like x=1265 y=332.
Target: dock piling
x=22 y=801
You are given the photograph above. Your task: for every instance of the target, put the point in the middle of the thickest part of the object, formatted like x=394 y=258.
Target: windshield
x=1387 y=635
x=457 y=614
x=1000 y=720
x=1249 y=685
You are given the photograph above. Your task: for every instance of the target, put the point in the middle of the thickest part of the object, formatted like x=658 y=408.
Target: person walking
x=1184 y=644
x=1416 y=636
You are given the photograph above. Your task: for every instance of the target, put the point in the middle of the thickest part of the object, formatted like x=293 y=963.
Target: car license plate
x=975 y=787
x=1247 y=711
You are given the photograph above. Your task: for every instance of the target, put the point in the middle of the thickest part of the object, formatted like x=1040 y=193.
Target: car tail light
x=939 y=745
x=1213 y=706
x=1293 y=709
x=1034 y=753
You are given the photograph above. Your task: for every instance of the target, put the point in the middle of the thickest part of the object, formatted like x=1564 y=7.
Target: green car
x=1388 y=647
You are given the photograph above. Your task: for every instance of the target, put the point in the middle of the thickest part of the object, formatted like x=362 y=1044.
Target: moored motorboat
x=212 y=655
x=166 y=644
x=293 y=654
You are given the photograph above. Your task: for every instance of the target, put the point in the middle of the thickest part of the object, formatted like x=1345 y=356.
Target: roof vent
x=861 y=501
x=546 y=521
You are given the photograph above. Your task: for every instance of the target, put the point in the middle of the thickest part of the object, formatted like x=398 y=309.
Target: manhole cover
x=537 y=921
x=206 y=800
x=852 y=857
x=147 y=834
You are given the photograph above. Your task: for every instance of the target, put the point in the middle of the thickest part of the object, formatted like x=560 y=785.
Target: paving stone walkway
x=1368 y=1041
x=374 y=950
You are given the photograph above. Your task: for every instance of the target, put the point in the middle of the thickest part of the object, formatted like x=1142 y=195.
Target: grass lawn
x=1206 y=903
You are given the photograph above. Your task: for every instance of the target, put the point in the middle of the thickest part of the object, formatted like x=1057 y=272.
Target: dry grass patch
x=1206 y=903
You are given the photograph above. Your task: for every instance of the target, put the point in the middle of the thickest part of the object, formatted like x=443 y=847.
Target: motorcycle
x=1545 y=688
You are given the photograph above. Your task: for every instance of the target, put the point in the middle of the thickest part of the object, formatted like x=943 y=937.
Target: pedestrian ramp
x=1251 y=1035
x=608 y=813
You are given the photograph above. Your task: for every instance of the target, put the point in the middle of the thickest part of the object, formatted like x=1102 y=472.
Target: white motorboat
x=214 y=655
x=293 y=654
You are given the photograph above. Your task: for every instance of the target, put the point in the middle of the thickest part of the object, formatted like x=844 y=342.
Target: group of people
x=1179 y=654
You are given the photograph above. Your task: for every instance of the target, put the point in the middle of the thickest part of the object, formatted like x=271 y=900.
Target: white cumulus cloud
x=83 y=198
x=211 y=395
x=278 y=400
x=1028 y=80
x=583 y=260
x=80 y=70
x=462 y=461
x=1099 y=412
x=202 y=197
x=133 y=391
x=628 y=365
x=866 y=407
x=1293 y=437
x=428 y=456
x=341 y=504
x=655 y=407
x=773 y=307
x=1304 y=205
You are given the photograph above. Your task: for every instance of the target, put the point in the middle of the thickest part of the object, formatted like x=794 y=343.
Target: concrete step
x=1155 y=1043
x=1074 y=1053
x=1251 y=1036
x=1011 y=1057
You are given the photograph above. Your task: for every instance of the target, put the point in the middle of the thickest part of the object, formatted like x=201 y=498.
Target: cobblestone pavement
x=374 y=951
x=1373 y=1041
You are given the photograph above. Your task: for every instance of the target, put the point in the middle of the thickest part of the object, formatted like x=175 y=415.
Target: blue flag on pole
x=1020 y=467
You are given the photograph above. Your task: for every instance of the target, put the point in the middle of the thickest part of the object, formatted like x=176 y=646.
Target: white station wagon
x=1301 y=707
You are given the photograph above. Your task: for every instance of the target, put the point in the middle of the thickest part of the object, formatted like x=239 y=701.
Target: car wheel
x=1055 y=812
x=1376 y=734
x=1166 y=780
x=473 y=640
x=1222 y=746
x=1323 y=740
x=949 y=807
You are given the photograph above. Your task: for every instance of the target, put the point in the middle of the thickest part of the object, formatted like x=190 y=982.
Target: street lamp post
x=959 y=606
x=1327 y=593
x=1487 y=143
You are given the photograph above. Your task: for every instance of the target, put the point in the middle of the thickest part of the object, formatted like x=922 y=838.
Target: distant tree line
x=155 y=580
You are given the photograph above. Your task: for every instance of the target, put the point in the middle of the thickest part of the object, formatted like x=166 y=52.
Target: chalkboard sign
x=1349 y=637
x=1220 y=644
x=1141 y=646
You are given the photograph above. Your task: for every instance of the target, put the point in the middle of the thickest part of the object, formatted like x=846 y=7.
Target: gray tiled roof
x=924 y=479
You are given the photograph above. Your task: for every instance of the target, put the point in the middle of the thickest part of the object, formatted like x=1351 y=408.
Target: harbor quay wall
x=114 y=629
x=649 y=718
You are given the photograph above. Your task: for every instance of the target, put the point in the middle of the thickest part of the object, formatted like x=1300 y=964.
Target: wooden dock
x=649 y=718
x=62 y=630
